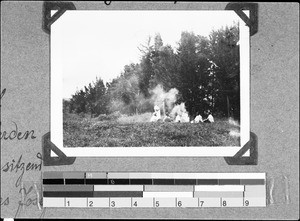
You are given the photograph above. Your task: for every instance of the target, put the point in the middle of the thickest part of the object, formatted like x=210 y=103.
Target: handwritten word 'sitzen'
x=20 y=166
x=16 y=134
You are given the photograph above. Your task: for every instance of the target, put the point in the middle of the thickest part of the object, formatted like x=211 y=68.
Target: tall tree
x=147 y=71
x=224 y=52
x=90 y=100
x=158 y=42
x=99 y=99
x=159 y=66
x=193 y=72
x=78 y=102
x=124 y=90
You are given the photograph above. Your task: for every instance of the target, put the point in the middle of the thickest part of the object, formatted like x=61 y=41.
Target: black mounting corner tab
x=61 y=7
x=252 y=20
x=61 y=158
x=239 y=159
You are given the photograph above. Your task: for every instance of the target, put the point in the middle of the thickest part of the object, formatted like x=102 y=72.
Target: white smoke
x=233 y=122
x=234 y=132
x=178 y=110
x=165 y=100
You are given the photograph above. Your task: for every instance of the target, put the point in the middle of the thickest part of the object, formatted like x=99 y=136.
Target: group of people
x=199 y=119
x=182 y=117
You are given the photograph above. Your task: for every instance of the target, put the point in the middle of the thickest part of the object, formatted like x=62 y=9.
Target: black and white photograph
x=149 y=79
x=149 y=110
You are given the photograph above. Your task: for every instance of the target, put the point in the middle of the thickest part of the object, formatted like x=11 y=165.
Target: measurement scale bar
x=153 y=190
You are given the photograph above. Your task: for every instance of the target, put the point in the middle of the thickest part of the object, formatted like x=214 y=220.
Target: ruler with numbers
x=153 y=190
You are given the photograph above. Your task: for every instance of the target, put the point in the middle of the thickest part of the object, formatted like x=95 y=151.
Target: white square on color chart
x=232 y=202
x=98 y=202
x=160 y=202
x=76 y=202
x=142 y=202
x=187 y=202
x=53 y=202
x=209 y=202
x=218 y=151
x=119 y=202
x=255 y=202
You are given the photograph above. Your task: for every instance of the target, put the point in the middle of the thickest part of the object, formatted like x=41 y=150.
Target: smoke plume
x=234 y=132
x=233 y=122
x=178 y=110
x=165 y=100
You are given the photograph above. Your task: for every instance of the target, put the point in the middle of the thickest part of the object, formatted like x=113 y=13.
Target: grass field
x=135 y=131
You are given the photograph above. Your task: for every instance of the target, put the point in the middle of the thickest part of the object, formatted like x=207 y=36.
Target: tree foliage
x=93 y=99
x=205 y=71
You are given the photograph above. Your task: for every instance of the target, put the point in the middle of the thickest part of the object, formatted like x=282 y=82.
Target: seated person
x=198 y=119
x=167 y=118
x=210 y=118
x=156 y=115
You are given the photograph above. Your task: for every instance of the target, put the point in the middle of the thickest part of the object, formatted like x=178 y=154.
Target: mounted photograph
x=150 y=83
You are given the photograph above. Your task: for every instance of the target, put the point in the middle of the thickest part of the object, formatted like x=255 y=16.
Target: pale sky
x=101 y=43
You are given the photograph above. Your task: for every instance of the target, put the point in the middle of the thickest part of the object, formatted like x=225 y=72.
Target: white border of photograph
x=218 y=151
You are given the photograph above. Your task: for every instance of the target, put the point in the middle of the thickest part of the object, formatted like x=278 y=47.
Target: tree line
x=205 y=71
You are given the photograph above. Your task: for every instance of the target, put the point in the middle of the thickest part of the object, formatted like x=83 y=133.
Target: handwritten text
x=21 y=167
x=16 y=134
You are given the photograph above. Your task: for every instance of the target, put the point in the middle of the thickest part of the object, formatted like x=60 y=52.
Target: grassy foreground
x=131 y=132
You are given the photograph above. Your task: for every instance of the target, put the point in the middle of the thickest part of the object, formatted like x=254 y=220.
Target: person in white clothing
x=210 y=118
x=198 y=119
x=156 y=116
